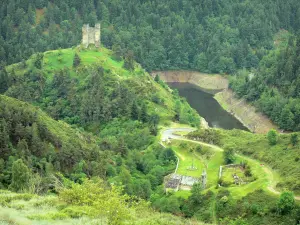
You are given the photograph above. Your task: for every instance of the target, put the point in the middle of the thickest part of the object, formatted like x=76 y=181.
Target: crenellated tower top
x=91 y=35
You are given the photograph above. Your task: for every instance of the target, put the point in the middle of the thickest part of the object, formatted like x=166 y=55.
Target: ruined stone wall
x=91 y=35
x=85 y=36
x=97 y=35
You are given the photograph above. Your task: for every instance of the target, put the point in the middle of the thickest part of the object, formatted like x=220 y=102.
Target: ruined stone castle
x=91 y=35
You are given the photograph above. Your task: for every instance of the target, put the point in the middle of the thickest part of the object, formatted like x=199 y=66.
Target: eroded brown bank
x=217 y=84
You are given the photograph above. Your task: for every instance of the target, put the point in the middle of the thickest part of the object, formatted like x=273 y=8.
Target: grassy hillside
x=96 y=91
x=85 y=89
x=76 y=206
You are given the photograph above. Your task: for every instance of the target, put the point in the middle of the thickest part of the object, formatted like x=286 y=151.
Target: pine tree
x=134 y=111
x=4 y=139
x=177 y=110
x=153 y=123
x=39 y=60
x=76 y=60
x=294 y=139
x=287 y=119
x=22 y=149
x=122 y=148
x=36 y=143
x=31 y=15
x=129 y=61
x=144 y=114
x=3 y=81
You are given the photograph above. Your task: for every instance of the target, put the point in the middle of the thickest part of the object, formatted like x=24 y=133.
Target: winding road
x=169 y=134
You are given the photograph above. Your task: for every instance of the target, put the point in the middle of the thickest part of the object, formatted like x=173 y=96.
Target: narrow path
x=168 y=134
x=213 y=210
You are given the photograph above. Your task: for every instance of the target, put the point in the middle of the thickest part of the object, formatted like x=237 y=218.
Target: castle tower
x=85 y=35
x=91 y=35
x=97 y=35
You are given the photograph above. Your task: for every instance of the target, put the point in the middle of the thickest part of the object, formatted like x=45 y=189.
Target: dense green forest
x=81 y=128
x=89 y=90
x=31 y=139
x=275 y=86
x=41 y=155
x=42 y=147
x=207 y=35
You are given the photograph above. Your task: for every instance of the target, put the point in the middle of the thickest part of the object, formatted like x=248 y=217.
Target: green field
x=59 y=59
x=63 y=58
x=211 y=158
x=186 y=160
x=207 y=159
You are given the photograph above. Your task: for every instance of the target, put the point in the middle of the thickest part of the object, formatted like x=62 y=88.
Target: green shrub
x=79 y=211
x=94 y=198
x=49 y=216
x=47 y=201
x=286 y=202
x=272 y=137
x=229 y=154
x=5 y=199
x=294 y=139
x=20 y=176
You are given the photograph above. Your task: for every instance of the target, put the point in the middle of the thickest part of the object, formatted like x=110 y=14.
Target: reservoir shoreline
x=218 y=86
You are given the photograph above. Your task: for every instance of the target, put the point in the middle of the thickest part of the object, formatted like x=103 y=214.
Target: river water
x=207 y=107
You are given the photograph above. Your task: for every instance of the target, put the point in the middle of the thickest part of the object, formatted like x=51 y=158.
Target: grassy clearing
x=205 y=159
x=212 y=157
x=187 y=159
x=59 y=59
x=183 y=194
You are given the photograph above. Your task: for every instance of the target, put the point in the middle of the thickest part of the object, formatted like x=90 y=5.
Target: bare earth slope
x=205 y=81
x=243 y=111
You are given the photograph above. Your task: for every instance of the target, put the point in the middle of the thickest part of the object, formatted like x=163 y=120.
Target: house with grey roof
x=180 y=182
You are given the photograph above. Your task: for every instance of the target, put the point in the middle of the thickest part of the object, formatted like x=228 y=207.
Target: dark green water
x=207 y=107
